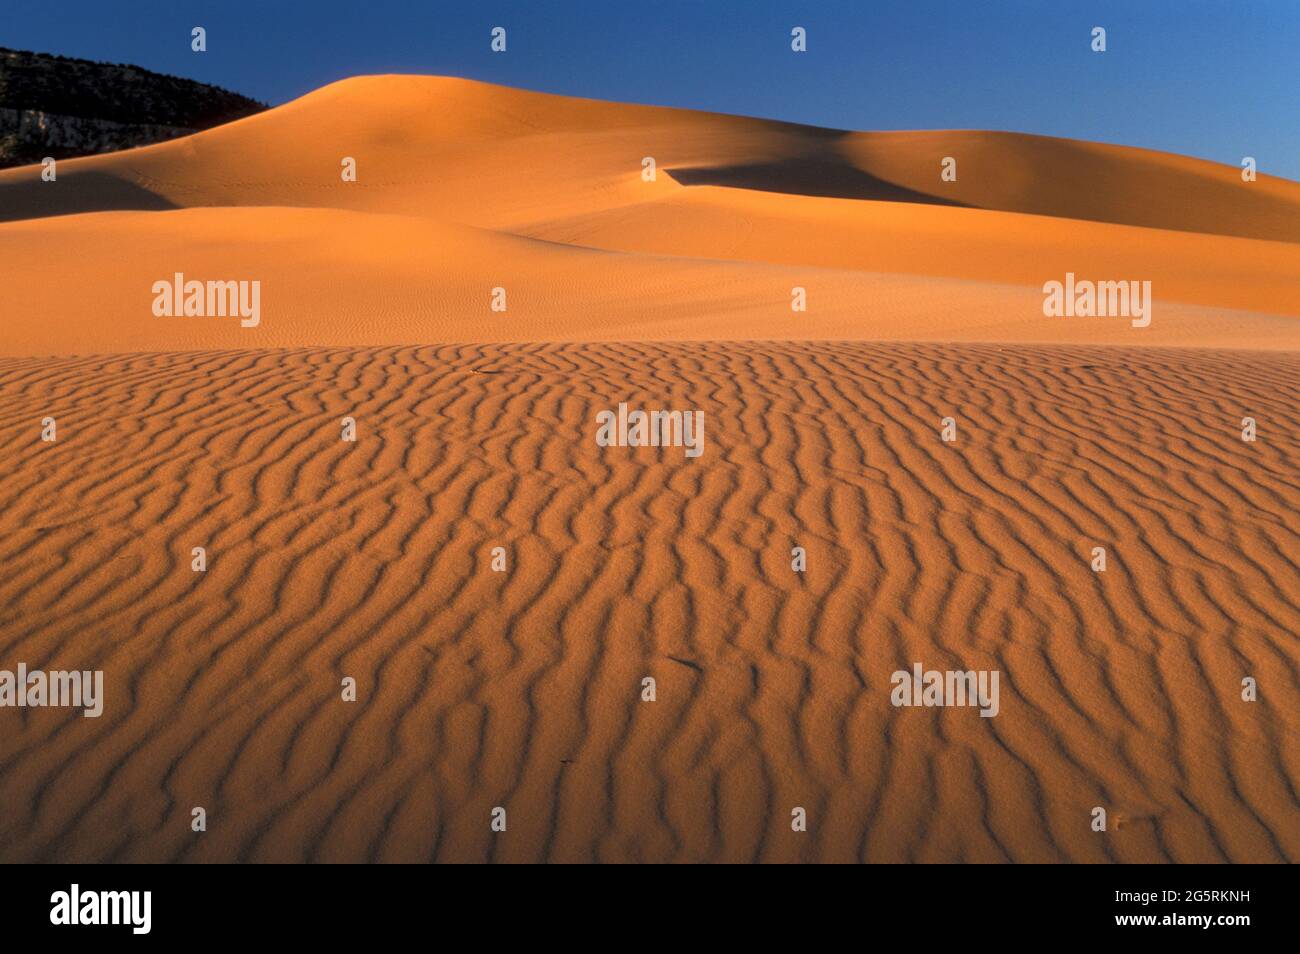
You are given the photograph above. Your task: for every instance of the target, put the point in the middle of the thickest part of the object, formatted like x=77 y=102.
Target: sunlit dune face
x=735 y=213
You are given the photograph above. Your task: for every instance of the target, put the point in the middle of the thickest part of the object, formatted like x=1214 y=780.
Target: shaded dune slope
x=480 y=689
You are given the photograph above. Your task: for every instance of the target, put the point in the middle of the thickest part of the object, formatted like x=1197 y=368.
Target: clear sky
x=1219 y=79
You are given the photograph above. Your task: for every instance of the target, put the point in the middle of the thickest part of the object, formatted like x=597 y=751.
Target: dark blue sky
x=1209 y=78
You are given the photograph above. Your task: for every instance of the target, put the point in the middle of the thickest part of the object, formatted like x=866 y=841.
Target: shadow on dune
x=830 y=177
x=75 y=192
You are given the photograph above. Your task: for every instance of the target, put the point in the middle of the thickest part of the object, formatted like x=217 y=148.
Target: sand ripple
x=480 y=689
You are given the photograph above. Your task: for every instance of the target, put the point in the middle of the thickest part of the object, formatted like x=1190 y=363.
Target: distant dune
x=452 y=173
x=522 y=689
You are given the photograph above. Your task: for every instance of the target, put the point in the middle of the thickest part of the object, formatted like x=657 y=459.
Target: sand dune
x=741 y=211
x=498 y=157
x=522 y=689
x=331 y=277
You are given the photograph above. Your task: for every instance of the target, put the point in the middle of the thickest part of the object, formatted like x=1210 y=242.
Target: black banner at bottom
x=215 y=903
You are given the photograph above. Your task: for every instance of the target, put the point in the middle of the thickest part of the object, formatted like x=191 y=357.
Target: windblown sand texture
x=478 y=689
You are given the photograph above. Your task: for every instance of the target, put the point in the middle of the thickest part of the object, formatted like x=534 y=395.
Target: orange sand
x=523 y=690
x=464 y=186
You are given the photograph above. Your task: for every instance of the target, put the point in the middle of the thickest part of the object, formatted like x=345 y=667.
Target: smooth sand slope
x=463 y=187
x=523 y=689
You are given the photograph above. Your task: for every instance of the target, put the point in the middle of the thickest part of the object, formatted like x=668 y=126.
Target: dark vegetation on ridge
x=60 y=106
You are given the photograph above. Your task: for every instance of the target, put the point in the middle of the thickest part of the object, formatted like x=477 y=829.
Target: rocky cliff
x=62 y=107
